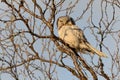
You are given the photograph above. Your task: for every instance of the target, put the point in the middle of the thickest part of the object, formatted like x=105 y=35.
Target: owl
x=74 y=36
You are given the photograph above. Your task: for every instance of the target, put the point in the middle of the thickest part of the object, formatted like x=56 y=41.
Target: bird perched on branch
x=74 y=37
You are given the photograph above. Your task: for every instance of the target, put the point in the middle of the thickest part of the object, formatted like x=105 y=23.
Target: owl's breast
x=68 y=36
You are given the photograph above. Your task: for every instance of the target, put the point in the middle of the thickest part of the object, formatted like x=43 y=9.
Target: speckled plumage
x=74 y=37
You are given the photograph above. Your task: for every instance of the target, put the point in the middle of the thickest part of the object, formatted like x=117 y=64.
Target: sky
x=82 y=23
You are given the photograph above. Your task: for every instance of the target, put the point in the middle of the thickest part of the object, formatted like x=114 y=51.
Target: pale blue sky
x=63 y=74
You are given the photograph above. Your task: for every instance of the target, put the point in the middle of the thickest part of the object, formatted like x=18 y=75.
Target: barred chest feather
x=67 y=34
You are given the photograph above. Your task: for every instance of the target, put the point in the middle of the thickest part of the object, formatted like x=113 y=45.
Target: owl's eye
x=61 y=21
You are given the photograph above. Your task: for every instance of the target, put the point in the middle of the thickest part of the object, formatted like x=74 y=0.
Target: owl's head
x=64 y=20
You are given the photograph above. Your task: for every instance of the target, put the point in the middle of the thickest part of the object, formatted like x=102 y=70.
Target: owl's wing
x=84 y=44
x=78 y=33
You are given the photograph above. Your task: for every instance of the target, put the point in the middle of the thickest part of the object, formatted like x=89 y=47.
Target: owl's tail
x=101 y=54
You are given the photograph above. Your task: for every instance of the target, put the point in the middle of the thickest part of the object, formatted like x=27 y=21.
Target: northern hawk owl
x=74 y=37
